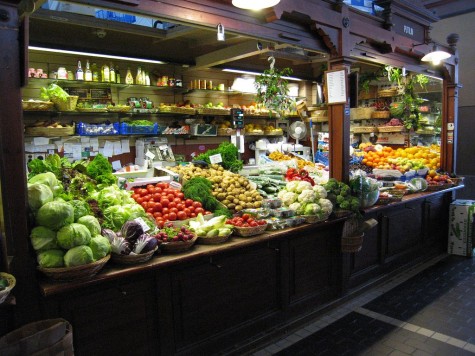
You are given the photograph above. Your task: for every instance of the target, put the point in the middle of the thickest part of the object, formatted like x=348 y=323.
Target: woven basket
x=178 y=246
x=351 y=244
x=457 y=181
x=124 y=108
x=361 y=113
x=65 y=274
x=211 y=111
x=312 y=219
x=390 y=128
x=437 y=187
x=49 y=131
x=37 y=105
x=91 y=110
x=396 y=195
x=132 y=259
x=177 y=110
x=383 y=114
x=226 y=132
x=339 y=213
x=212 y=240
x=249 y=231
x=385 y=93
x=68 y=105
x=11 y=283
x=364 y=129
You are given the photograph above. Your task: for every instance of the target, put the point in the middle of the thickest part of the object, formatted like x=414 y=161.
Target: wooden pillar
x=449 y=127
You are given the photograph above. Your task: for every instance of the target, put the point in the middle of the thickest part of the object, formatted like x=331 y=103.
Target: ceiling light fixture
x=255 y=4
x=99 y=55
x=255 y=73
x=435 y=56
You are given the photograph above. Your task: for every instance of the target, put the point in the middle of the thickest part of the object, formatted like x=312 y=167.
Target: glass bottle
x=105 y=73
x=147 y=79
x=139 y=77
x=129 y=79
x=79 y=72
x=95 y=72
x=117 y=75
x=111 y=73
x=88 y=73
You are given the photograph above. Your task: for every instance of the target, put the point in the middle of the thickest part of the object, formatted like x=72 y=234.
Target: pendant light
x=255 y=4
x=436 y=56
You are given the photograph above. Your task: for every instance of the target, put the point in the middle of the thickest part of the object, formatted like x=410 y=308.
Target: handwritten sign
x=336 y=86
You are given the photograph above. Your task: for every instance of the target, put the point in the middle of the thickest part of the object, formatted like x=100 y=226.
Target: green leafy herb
x=229 y=154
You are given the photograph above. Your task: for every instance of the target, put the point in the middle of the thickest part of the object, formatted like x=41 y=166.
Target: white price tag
x=150 y=155
x=215 y=159
x=142 y=223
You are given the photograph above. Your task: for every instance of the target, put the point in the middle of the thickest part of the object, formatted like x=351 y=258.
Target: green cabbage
x=38 y=195
x=55 y=215
x=73 y=235
x=43 y=238
x=117 y=215
x=51 y=258
x=78 y=256
x=100 y=247
x=80 y=207
x=49 y=179
x=91 y=223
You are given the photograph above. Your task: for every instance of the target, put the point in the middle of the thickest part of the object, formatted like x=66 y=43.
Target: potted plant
x=272 y=89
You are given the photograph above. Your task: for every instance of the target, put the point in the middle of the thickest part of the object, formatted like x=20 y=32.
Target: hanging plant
x=273 y=90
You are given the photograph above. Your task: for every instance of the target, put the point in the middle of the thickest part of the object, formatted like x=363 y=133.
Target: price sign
x=336 y=86
x=215 y=159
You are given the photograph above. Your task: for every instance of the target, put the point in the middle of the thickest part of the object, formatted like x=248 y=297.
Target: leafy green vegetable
x=100 y=247
x=78 y=256
x=200 y=189
x=99 y=166
x=52 y=92
x=73 y=235
x=91 y=223
x=55 y=215
x=38 y=195
x=43 y=238
x=140 y=123
x=80 y=207
x=229 y=154
x=51 y=258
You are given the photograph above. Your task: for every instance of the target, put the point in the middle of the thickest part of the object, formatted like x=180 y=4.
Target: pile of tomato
x=245 y=220
x=164 y=203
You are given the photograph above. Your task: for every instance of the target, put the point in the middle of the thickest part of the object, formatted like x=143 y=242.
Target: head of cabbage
x=91 y=223
x=73 y=235
x=80 y=207
x=55 y=215
x=100 y=247
x=51 y=258
x=38 y=195
x=49 y=179
x=78 y=256
x=43 y=238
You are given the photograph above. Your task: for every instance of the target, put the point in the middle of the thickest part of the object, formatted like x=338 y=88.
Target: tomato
x=191 y=209
x=180 y=195
x=172 y=204
x=158 y=190
x=164 y=202
x=156 y=196
x=253 y=223
x=245 y=217
x=135 y=196
x=238 y=224
x=197 y=204
x=207 y=212
x=139 y=200
x=160 y=222
x=245 y=224
x=249 y=220
x=174 y=210
x=180 y=206
x=147 y=197
x=199 y=210
x=181 y=215
x=158 y=207
x=188 y=202
x=170 y=196
x=177 y=200
x=143 y=192
x=165 y=211
x=150 y=211
x=187 y=211
x=172 y=216
x=162 y=185
x=192 y=215
x=150 y=189
x=157 y=215
x=144 y=205
x=165 y=217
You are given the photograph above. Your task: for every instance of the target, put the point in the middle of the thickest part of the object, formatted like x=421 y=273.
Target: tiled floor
x=427 y=310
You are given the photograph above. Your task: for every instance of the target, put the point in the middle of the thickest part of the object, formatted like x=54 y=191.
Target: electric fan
x=298 y=131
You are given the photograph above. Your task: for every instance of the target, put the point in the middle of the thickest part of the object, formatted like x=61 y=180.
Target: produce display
x=279 y=156
x=299 y=174
x=339 y=194
x=366 y=189
x=229 y=156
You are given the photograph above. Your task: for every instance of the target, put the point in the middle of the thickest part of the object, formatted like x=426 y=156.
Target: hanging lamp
x=255 y=4
x=435 y=56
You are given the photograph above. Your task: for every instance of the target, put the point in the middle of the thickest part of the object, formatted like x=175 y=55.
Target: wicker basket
x=395 y=196
x=132 y=259
x=213 y=111
x=178 y=246
x=339 y=213
x=351 y=244
x=37 y=105
x=457 y=181
x=123 y=108
x=68 y=105
x=177 y=110
x=382 y=114
x=49 y=131
x=437 y=187
x=65 y=274
x=385 y=93
x=11 y=283
x=91 y=110
x=226 y=132
x=364 y=129
x=249 y=231
x=312 y=219
x=361 y=113
x=212 y=240
x=390 y=128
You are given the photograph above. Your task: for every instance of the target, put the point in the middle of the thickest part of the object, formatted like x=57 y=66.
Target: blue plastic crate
x=84 y=129
x=322 y=157
x=115 y=16
x=126 y=129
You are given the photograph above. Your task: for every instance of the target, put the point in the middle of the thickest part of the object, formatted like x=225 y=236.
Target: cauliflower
x=302 y=185
x=320 y=191
x=281 y=193
x=307 y=196
x=295 y=206
x=312 y=209
x=326 y=205
x=289 y=198
x=292 y=186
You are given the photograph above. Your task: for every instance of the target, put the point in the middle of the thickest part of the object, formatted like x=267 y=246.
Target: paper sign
x=215 y=159
x=150 y=155
x=117 y=148
x=336 y=86
x=94 y=142
x=76 y=151
x=85 y=139
x=116 y=165
x=125 y=145
x=108 y=149
x=68 y=147
x=39 y=141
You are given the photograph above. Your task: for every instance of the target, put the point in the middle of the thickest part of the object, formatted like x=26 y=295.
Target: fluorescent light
x=255 y=73
x=100 y=55
x=255 y=4
x=436 y=56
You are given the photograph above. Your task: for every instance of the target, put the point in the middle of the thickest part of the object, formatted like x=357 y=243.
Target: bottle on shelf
x=88 y=73
x=79 y=72
x=95 y=72
x=146 y=79
x=117 y=75
x=105 y=73
x=112 y=73
x=139 y=77
x=129 y=79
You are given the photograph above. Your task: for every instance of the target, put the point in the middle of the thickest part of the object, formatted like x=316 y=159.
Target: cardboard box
x=461 y=221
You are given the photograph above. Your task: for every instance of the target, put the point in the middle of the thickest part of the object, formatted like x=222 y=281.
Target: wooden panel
x=216 y=296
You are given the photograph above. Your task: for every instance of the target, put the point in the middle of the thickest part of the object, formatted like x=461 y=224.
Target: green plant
x=272 y=89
